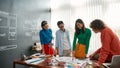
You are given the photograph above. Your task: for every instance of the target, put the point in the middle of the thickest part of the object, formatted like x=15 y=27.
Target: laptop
x=115 y=63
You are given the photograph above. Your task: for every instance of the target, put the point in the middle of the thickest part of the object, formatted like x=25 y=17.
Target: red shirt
x=110 y=45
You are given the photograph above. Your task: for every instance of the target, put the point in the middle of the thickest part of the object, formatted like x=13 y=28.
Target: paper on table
x=64 y=59
x=34 y=61
x=74 y=62
x=69 y=59
x=107 y=65
x=37 y=62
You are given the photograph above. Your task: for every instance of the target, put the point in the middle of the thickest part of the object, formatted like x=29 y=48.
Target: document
x=34 y=60
x=70 y=62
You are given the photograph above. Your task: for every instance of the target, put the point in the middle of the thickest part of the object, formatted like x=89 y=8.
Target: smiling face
x=45 y=26
x=79 y=25
x=61 y=26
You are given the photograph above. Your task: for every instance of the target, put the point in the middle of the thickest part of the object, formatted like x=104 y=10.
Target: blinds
x=70 y=10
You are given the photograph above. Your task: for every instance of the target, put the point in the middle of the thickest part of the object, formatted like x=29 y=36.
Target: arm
x=88 y=40
x=56 y=43
x=106 y=40
x=74 y=41
x=51 y=35
x=69 y=40
x=95 y=53
x=43 y=52
x=41 y=37
x=42 y=42
x=57 y=52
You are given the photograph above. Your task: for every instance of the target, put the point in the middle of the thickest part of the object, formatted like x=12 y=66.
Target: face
x=45 y=26
x=61 y=26
x=79 y=25
x=95 y=30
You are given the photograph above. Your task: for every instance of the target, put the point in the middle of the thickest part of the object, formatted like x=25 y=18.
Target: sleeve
x=74 y=41
x=105 y=49
x=97 y=51
x=88 y=40
x=56 y=40
x=41 y=37
x=51 y=34
x=69 y=39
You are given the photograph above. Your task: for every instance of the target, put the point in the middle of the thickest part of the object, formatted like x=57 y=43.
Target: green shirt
x=83 y=38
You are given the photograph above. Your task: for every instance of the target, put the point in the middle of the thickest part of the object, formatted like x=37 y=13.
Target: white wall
x=87 y=10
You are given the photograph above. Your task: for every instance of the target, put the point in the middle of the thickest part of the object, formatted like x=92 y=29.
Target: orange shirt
x=110 y=45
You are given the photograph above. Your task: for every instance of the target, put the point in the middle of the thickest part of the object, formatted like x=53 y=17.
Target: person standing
x=110 y=43
x=82 y=34
x=63 y=45
x=46 y=39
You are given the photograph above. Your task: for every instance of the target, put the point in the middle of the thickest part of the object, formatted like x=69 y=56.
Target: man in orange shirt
x=110 y=43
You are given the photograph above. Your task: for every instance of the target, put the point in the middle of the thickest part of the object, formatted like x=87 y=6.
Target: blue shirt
x=59 y=40
x=45 y=36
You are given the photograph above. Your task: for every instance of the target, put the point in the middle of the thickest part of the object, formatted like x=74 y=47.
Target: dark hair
x=43 y=23
x=97 y=24
x=35 y=43
x=59 y=22
x=77 y=30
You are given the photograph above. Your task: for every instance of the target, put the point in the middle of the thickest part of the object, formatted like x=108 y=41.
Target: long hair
x=77 y=30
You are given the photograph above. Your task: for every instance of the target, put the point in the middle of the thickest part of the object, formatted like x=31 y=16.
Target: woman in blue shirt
x=46 y=39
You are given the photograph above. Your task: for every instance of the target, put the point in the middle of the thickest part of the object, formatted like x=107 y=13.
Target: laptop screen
x=115 y=63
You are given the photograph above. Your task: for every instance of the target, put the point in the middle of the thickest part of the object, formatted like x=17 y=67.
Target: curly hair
x=97 y=24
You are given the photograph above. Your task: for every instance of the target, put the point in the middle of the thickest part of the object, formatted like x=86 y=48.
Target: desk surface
x=40 y=65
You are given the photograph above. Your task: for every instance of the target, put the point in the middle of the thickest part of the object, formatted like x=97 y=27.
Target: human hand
x=43 y=52
x=91 y=56
x=73 y=55
x=95 y=65
x=56 y=53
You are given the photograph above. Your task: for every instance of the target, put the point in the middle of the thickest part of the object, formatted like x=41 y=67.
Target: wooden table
x=40 y=65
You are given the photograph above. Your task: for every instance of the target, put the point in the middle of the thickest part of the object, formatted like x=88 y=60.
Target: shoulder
x=87 y=29
x=75 y=34
x=66 y=30
x=107 y=30
x=50 y=29
x=58 y=31
x=41 y=31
